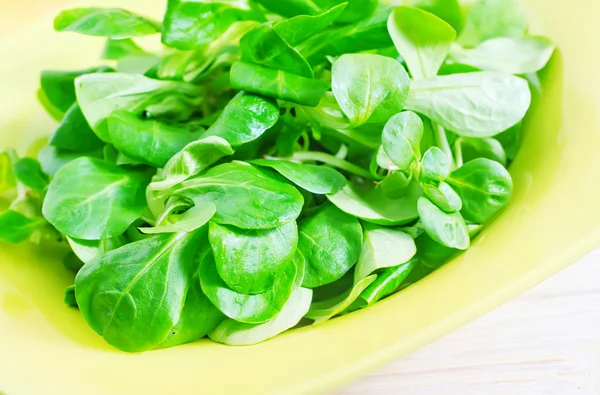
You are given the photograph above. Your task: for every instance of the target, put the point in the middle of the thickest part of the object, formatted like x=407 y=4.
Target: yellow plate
x=46 y=348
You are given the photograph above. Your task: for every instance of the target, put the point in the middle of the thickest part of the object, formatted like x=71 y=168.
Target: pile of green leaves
x=277 y=161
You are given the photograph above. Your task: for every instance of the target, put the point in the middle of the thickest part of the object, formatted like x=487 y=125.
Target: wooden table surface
x=546 y=342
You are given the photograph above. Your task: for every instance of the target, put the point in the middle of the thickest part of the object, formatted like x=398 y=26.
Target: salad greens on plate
x=276 y=163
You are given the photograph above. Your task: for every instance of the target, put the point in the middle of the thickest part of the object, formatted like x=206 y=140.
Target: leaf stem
x=332 y=161
x=442 y=141
x=458 y=152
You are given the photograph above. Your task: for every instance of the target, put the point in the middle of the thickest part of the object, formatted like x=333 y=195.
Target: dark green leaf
x=291 y=8
x=483 y=148
x=354 y=11
x=386 y=283
x=250 y=309
x=262 y=45
x=198 y=317
x=297 y=30
x=69 y=297
x=323 y=311
x=72 y=262
x=249 y=261
x=484 y=186
x=135 y=309
x=277 y=84
x=146 y=140
x=244 y=119
x=75 y=134
x=331 y=242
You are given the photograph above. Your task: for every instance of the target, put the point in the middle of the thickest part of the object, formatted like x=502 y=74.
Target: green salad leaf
x=273 y=162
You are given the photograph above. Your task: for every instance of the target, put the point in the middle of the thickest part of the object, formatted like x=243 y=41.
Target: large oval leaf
x=484 y=186
x=250 y=309
x=331 y=242
x=401 y=139
x=91 y=199
x=369 y=87
x=521 y=55
x=134 y=309
x=472 y=104
x=249 y=261
x=245 y=118
x=241 y=193
x=146 y=140
x=371 y=204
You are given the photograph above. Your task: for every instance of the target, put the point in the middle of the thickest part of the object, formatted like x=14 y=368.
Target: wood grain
x=546 y=342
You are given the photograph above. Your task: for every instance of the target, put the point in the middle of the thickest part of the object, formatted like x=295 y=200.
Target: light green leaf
x=371 y=204
x=369 y=87
x=449 y=230
x=489 y=19
x=192 y=219
x=191 y=160
x=422 y=39
x=92 y=199
x=115 y=23
x=235 y=333
x=401 y=139
x=521 y=55
x=383 y=248
x=472 y=104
